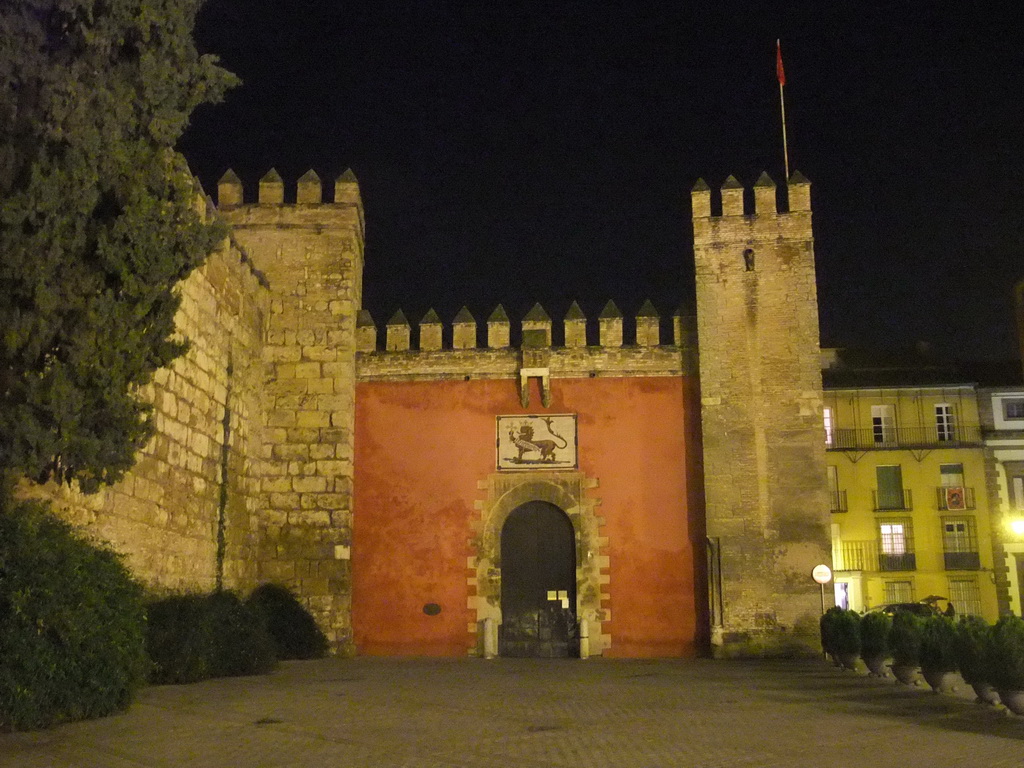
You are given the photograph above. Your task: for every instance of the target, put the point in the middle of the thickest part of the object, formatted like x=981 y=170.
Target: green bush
x=905 y=639
x=827 y=624
x=195 y=637
x=71 y=623
x=1004 y=660
x=970 y=648
x=938 y=645
x=241 y=643
x=846 y=633
x=874 y=635
x=179 y=639
x=295 y=633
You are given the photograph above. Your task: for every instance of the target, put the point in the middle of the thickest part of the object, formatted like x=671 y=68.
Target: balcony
x=855 y=555
x=954 y=498
x=962 y=561
x=892 y=501
x=837 y=501
x=907 y=561
x=864 y=556
x=895 y=438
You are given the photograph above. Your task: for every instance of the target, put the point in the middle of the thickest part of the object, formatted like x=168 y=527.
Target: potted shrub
x=938 y=653
x=874 y=641
x=846 y=638
x=1004 y=661
x=905 y=643
x=827 y=624
x=971 y=642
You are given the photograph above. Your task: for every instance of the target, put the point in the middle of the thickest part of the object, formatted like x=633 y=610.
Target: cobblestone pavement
x=531 y=713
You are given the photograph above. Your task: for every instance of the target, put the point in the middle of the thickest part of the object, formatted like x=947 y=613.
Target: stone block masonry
x=761 y=401
x=312 y=255
x=185 y=514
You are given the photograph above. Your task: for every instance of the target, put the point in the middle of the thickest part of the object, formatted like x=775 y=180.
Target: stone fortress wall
x=250 y=476
x=185 y=515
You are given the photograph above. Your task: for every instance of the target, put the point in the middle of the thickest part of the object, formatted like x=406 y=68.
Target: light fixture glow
x=1017 y=526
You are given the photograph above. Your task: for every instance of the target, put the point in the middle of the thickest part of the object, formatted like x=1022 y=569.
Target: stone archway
x=538 y=583
x=505 y=492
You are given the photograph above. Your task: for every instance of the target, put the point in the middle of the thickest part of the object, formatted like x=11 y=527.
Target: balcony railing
x=855 y=555
x=954 y=498
x=903 y=437
x=962 y=561
x=906 y=561
x=889 y=501
x=837 y=501
x=864 y=556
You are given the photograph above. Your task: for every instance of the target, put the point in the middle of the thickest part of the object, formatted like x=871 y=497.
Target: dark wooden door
x=538 y=583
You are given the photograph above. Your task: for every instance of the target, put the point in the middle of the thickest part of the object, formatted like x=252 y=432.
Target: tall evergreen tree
x=98 y=222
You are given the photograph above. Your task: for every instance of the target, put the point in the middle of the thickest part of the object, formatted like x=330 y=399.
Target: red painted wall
x=421 y=448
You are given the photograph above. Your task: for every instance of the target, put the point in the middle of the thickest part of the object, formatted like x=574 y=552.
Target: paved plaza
x=384 y=713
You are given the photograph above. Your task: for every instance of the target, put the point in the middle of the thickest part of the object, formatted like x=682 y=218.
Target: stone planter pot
x=1014 y=701
x=848 y=660
x=941 y=682
x=905 y=673
x=876 y=665
x=986 y=693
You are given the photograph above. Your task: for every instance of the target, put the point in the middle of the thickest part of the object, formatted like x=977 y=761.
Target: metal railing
x=906 y=561
x=837 y=501
x=864 y=556
x=962 y=561
x=890 y=438
x=949 y=498
x=855 y=555
x=890 y=501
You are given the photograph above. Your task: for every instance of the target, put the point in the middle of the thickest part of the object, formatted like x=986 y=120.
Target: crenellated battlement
x=758 y=215
x=461 y=357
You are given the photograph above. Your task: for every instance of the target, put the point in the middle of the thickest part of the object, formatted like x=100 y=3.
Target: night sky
x=517 y=152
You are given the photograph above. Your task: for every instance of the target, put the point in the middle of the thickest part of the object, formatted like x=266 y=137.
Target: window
x=837 y=499
x=890 y=493
x=951 y=475
x=883 y=423
x=965 y=596
x=945 y=424
x=896 y=545
x=829 y=434
x=1013 y=407
x=1017 y=491
x=899 y=592
x=960 y=544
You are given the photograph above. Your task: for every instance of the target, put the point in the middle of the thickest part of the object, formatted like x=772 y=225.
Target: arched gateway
x=538 y=583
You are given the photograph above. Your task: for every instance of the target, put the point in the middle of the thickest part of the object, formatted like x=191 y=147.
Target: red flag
x=779 y=71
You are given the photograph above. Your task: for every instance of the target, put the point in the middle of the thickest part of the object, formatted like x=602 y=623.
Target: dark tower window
x=748 y=259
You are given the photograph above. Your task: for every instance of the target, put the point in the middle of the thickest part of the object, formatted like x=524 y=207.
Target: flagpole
x=782 y=103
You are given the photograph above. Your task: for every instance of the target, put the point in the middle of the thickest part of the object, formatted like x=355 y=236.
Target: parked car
x=918 y=609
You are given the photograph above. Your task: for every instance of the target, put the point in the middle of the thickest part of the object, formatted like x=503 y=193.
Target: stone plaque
x=537 y=442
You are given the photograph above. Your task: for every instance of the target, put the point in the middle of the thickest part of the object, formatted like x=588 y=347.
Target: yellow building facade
x=910 y=515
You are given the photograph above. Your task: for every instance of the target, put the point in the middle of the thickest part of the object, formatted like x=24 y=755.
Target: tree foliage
x=98 y=222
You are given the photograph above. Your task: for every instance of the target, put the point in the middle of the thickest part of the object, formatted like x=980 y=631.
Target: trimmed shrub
x=195 y=637
x=874 y=635
x=905 y=639
x=1004 y=660
x=938 y=645
x=293 y=628
x=179 y=639
x=71 y=623
x=970 y=648
x=846 y=633
x=827 y=624
x=241 y=643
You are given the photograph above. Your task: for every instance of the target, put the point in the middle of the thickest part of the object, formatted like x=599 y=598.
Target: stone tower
x=311 y=253
x=761 y=413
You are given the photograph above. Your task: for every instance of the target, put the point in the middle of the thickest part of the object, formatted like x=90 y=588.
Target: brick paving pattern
x=524 y=713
